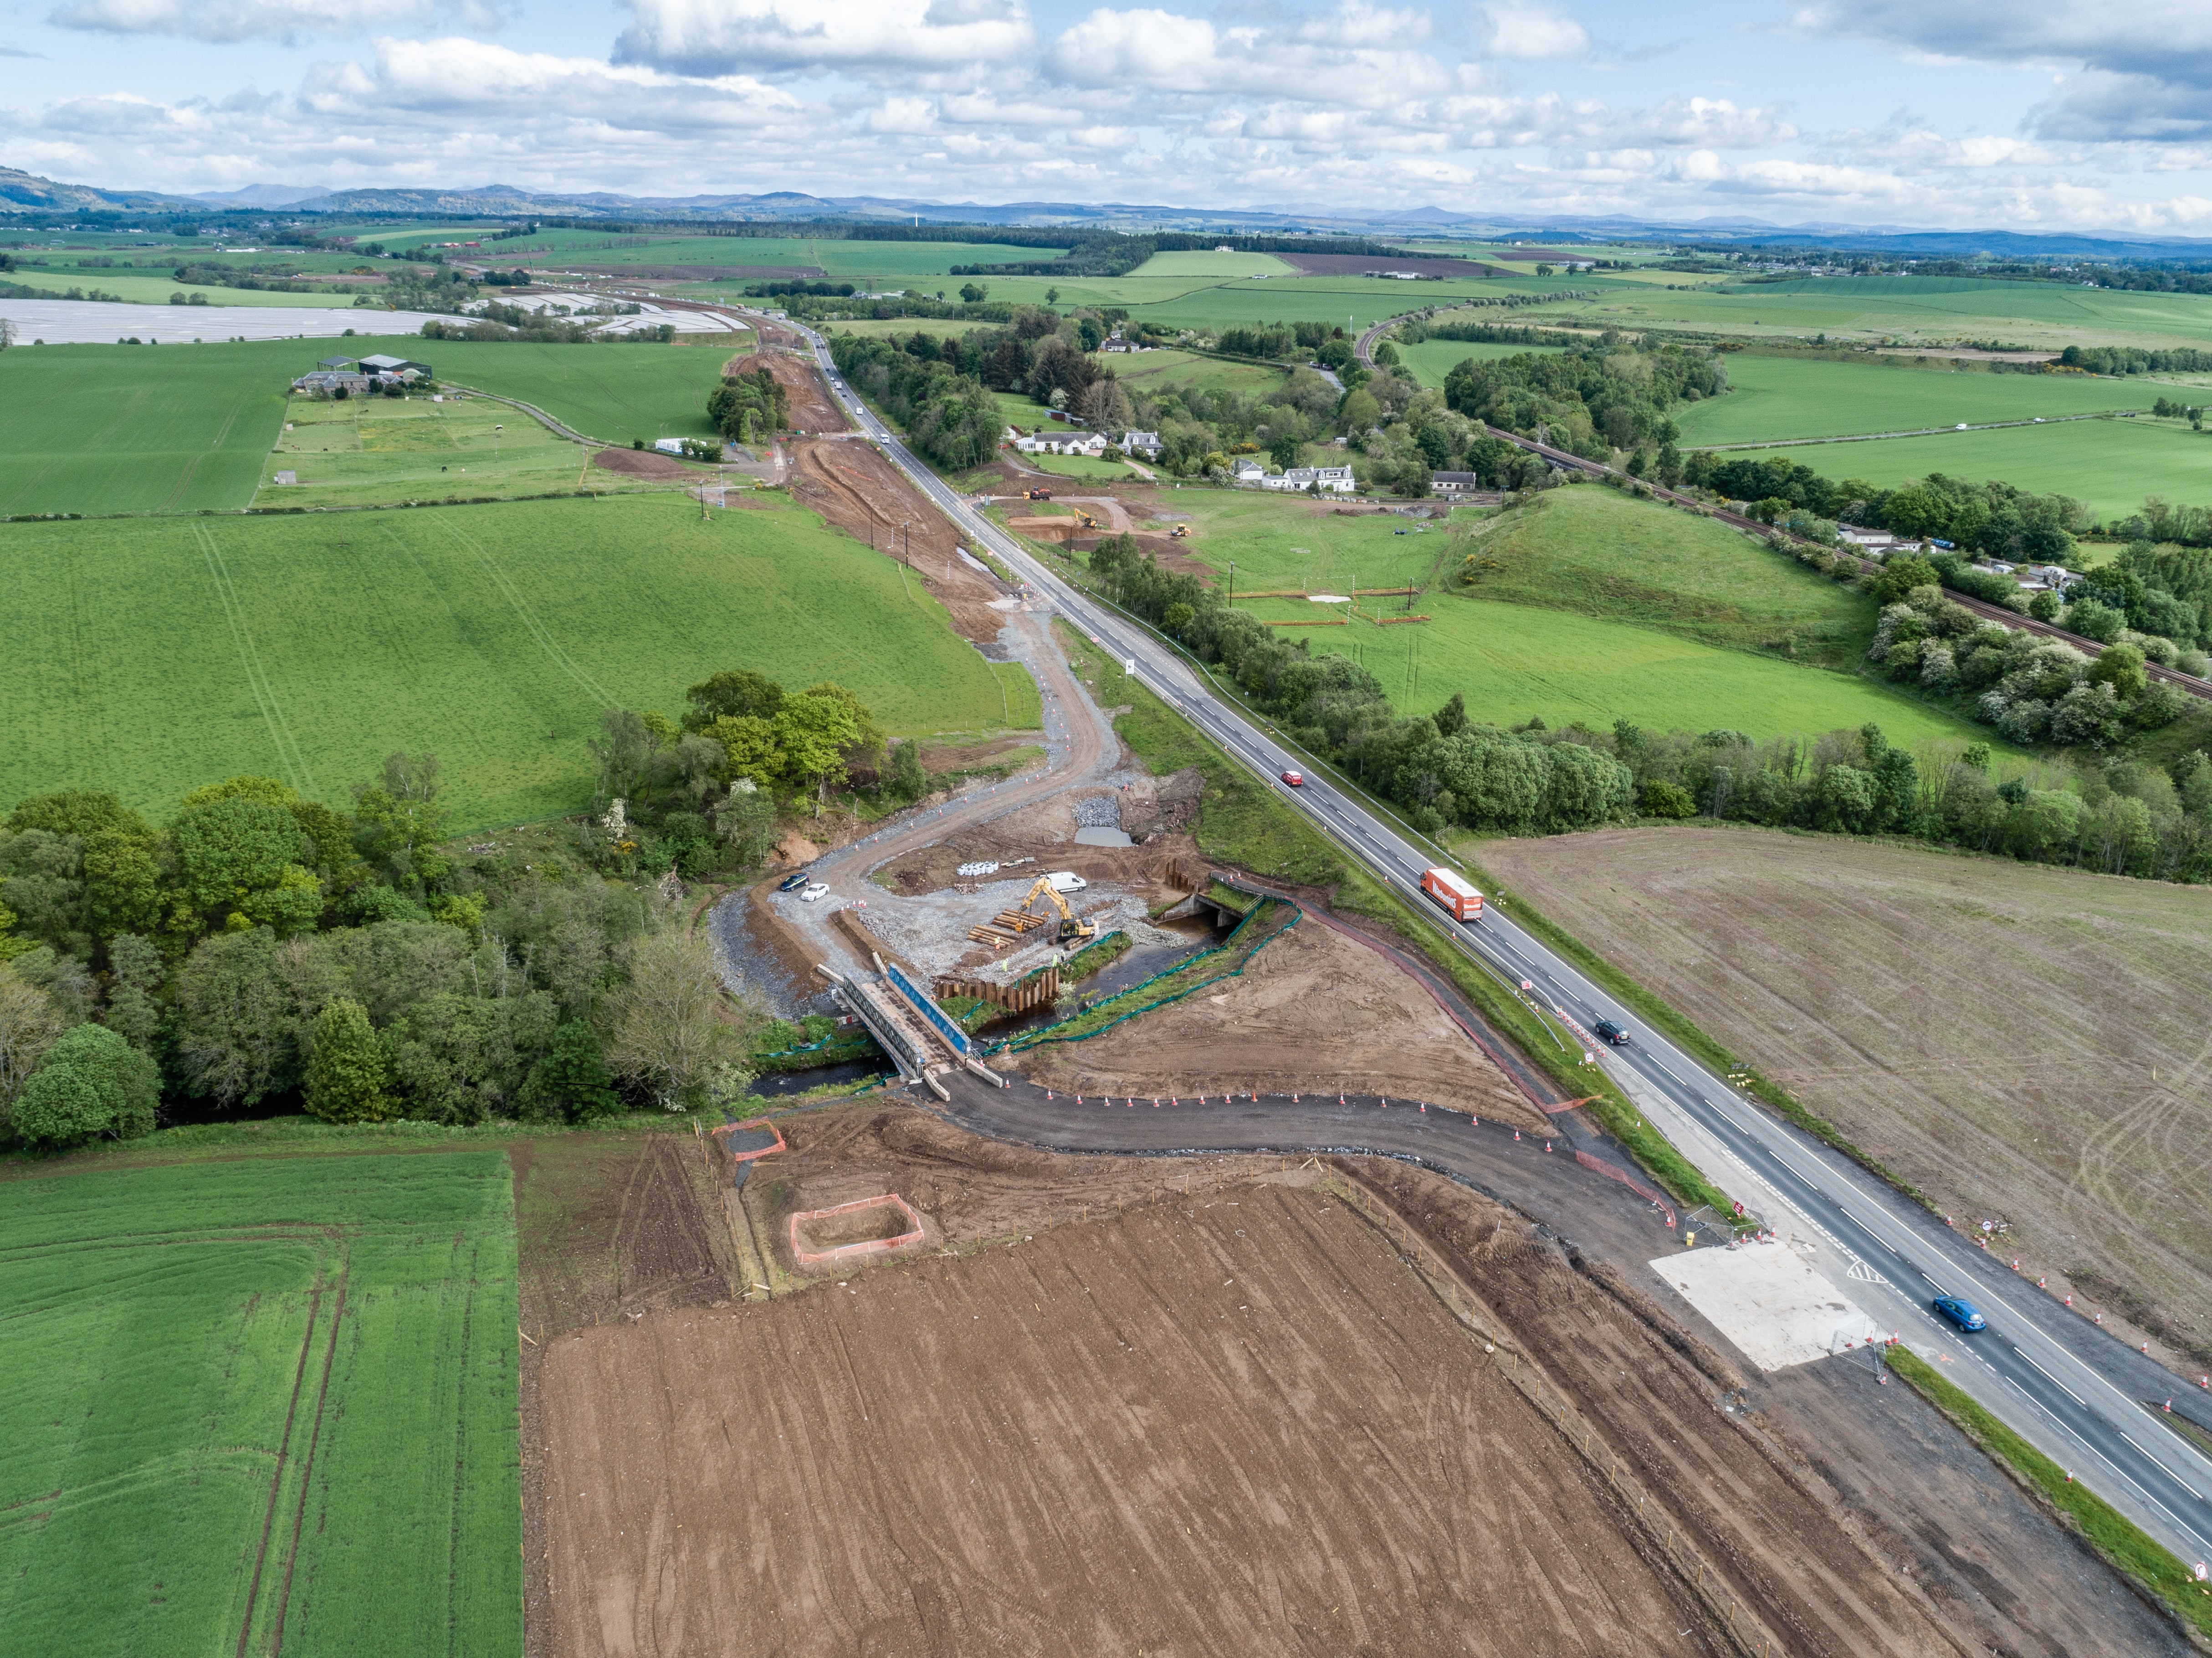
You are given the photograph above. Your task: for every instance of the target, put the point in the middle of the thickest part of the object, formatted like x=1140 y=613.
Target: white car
x=1067 y=881
x=812 y=890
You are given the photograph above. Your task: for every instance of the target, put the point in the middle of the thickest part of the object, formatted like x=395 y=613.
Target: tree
x=239 y=857
x=398 y=823
x=622 y=748
x=814 y=732
x=572 y=1079
x=908 y=780
x=749 y=743
x=350 y=1068
x=670 y=1026
x=747 y=821
x=973 y=293
x=29 y=1022
x=867 y=739
x=1901 y=574
x=733 y=693
x=1051 y=295
x=1176 y=617
x=237 y=1022
x=90 y=1082
x=2121 y=666
x=1451 y=718
x=1660 y=798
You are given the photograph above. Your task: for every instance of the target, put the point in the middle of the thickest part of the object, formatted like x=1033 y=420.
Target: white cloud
x=824 y=36
x=1517 y=29
x=1317 y=59
x=228 y=20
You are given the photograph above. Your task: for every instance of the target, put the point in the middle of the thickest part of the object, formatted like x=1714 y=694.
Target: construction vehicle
x=1039 y=494
x=1180 y=533
x=1071 y=929
x=1085 y=520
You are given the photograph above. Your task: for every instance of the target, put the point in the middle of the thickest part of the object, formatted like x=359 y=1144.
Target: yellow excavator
x=1085 y=520
x=1071 y=929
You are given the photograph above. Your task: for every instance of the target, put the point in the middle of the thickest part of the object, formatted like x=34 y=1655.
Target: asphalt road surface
x=2074 y=1392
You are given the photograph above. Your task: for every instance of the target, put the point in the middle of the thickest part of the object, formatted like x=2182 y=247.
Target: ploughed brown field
x=2026 y=1045
x=1181 y=1406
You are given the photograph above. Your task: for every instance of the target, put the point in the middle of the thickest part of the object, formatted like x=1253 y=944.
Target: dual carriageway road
x=2077 y=1394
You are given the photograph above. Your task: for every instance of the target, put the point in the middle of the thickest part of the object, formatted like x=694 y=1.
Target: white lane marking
x=2161 y=1466
x=2055 y=1382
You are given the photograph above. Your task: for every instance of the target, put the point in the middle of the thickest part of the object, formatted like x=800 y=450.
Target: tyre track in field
x=307 y=1466
x=288 y=753
x=276 y=1479
x=536 y=629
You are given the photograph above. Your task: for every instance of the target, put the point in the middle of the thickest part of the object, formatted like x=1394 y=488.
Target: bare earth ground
x=1226 y=1421
x=1312 y=1012
x=1232 y=1426
x=2026 y=1045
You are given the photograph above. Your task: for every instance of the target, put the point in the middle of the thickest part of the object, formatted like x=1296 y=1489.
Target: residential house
x=1454 y=483
x=1062 y=443
x=328 y=382
x=1146 y=444
x=1321 y=480
x=1245 y=471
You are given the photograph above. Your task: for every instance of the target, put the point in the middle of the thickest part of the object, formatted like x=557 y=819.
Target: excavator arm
x=1070 y=927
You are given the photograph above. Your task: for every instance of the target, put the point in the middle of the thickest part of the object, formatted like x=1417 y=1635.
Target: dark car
x=1960 y=1313
x=1611 y=1032
x=792 y=882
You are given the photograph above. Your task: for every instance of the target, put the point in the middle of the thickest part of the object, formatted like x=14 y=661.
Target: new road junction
x=2083 y=1398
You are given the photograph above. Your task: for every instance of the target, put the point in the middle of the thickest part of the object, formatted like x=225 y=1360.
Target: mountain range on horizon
x=23 y=193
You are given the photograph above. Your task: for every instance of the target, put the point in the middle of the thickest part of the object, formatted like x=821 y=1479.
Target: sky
x=2024 y=115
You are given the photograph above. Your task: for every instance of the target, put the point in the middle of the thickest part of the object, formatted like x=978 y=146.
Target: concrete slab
x=1768 y=1299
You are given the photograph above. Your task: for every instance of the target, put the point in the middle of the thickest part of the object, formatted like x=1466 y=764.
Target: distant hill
x=23 y=193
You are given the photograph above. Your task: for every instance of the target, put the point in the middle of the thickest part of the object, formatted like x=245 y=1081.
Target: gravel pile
x=1098 y=812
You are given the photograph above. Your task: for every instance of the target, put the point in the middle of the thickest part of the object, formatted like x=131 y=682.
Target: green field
x=1605 y=608
x=131 y=428
x=318 y=1350
x=1909 y=309
x=1159 y=370
x=1083 y=467
x=109 y=428
x=377 y=451
x=875 y=264
x=1802 y=398
x=606 y=390
x=1432 y=359
x=146 y=288
x=149 y=656
x=2108 y=464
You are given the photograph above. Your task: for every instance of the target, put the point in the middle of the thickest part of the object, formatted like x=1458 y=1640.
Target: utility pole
x=1232 y=583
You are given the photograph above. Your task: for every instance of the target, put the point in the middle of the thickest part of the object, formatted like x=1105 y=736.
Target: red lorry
x=1453 y=892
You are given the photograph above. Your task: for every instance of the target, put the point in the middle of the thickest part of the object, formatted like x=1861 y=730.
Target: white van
x=1067 y=881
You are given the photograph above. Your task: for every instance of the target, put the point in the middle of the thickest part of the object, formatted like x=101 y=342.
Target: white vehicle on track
x=812 y=891
x=1067 y=881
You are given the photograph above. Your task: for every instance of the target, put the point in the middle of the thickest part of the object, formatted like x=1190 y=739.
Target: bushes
x=91 y=1084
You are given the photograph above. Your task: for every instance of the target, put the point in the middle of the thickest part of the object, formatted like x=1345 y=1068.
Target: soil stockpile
x=2025 y=1045
x=1313 y=1013
x=1230 y=1424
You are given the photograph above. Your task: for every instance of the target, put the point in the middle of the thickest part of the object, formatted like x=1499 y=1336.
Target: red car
x=1296 y=779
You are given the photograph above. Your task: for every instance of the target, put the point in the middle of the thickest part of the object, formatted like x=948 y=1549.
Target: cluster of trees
x=273 y=278
x=2156 y=597
x=1992 y=518
x=1317 y=341
x=498 y=322
x=2117 y=814
x=949 y=416
x=1592 y=400
x=1451 y=325
x=779 y=289
x=259 y=947
x=2033 y=689
x=747 y=408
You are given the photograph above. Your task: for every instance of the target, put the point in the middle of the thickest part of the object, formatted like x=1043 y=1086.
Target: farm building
x=399 y=366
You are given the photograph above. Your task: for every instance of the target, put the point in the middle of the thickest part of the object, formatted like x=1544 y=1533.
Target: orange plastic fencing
x=869 y=1247
x=741 y=1128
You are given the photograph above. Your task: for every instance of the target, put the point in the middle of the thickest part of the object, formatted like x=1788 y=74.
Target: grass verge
x=2118 y=1541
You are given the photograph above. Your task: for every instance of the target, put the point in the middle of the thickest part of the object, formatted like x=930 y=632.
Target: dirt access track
x=2025 y=1045
x=1189 y=1406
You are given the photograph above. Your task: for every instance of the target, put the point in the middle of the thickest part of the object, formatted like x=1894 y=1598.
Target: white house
x=1062 y=443
x=1321 y=480
x=1245 y=469
x=1146 y=444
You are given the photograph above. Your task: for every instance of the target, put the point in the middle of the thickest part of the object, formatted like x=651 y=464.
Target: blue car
x=1960 y=1313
